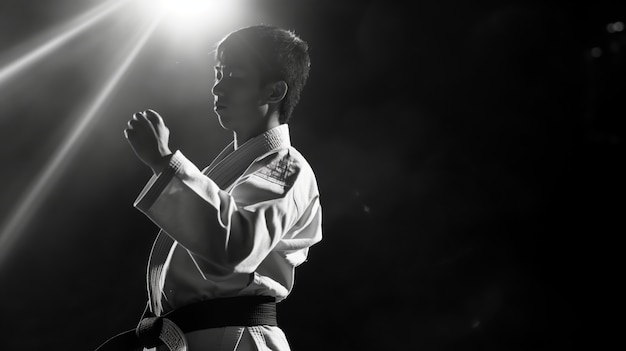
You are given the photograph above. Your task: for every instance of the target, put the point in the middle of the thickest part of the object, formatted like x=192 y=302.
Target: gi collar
x=230 y=164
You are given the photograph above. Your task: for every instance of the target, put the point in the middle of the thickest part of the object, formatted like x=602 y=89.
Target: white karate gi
x=239 y=227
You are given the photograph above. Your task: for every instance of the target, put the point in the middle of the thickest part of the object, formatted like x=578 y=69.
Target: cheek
x=247 y=98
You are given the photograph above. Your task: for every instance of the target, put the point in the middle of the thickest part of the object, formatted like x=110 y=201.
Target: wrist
x=161 y=163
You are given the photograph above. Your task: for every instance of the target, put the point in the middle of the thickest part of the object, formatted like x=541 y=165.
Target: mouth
x=219 y=106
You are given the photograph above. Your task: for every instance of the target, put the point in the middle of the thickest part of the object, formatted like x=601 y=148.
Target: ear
x=277 y=91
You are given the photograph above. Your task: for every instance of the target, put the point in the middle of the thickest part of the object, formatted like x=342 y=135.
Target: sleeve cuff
x=158 y=183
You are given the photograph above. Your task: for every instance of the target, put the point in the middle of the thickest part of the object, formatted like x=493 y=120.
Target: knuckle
x=152 y=115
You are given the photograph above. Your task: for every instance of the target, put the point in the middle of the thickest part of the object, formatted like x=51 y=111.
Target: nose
x=217 y=89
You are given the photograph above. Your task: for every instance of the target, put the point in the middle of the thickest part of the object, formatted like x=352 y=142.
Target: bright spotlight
x=186 y=9
x=192 y=16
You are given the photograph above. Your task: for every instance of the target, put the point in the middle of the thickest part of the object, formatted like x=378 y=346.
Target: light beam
x=45 y=180
x=74 y=28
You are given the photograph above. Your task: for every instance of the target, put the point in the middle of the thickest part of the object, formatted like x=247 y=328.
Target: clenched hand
x=149 y=138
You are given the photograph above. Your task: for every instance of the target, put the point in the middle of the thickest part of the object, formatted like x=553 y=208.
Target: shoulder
x=285 y=167
x=281 y=174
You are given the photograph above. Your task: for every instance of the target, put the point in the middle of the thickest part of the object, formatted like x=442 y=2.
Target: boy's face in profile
x=239 y=95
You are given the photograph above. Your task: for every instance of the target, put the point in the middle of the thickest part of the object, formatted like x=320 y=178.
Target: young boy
x=232 y=234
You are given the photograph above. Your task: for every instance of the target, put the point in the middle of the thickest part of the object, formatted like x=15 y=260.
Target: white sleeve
x=233 y=233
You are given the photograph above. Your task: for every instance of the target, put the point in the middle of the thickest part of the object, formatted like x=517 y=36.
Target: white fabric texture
x=239 y=227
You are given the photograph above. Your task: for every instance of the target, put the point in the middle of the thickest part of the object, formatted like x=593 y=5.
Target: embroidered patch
x=280 y=171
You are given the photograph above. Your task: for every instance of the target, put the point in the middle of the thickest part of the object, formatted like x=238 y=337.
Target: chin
x=221 y=120
x=224 y=122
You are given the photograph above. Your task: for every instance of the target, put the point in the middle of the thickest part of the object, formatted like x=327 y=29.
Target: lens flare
x=46 y=179
x=74 y=28
x=173 y=17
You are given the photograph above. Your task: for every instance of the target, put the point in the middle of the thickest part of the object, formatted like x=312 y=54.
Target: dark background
x=469 y=157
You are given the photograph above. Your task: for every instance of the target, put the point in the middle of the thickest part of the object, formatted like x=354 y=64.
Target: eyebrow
x=229 y=67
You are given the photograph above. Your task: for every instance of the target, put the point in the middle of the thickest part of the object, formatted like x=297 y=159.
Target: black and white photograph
x=213 y=175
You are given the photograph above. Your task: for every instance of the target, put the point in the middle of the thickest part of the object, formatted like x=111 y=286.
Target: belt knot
x=152 y=331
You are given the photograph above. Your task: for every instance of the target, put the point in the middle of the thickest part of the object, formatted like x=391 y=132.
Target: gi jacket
x=239 y=227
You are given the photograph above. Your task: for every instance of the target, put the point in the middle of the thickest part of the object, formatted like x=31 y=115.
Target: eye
x=218 y=74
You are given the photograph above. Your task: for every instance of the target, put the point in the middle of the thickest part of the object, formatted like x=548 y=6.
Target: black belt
x=243 y=311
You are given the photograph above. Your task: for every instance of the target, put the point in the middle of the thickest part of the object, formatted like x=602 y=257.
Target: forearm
x=207 y=221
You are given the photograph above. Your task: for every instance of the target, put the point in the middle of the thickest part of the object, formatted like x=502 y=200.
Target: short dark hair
x=281 y=55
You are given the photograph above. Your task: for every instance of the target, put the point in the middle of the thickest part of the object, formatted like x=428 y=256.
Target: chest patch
x=280 y=171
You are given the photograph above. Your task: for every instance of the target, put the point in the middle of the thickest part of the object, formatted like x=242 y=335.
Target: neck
x=242 y=135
